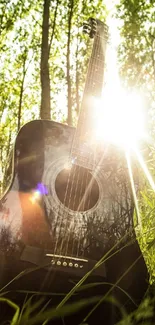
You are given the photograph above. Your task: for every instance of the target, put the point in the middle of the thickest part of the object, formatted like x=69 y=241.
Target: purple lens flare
x=42 y=189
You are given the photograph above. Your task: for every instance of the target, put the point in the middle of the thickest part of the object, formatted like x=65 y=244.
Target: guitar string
x=86 y=172
x=81 y=206
x=75 y=136
x=75 y=221
x=76 y=170
x=67 y=213
x=60 y=225
x=58 y=213
x=91 y=181
x=88 y=184
x=73 y=209
x=68 y=208
x=67 y=216
x=78 y=195
x=63 y=215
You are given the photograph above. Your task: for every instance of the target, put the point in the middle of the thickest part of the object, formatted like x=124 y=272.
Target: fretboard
x=93 y=87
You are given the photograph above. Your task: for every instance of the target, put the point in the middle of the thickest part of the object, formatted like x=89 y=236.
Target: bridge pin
x=76 y=265
x=81 y=266
x=58 y=263
x=64 y=263
x=52 y=262
x=70 y=264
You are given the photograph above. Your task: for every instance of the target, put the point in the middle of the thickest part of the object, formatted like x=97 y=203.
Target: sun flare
x=119 y=118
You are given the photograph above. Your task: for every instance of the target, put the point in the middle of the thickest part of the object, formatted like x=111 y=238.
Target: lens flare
x=42 y=189
x=38 y=193
x=35 y=196
x=120 y=119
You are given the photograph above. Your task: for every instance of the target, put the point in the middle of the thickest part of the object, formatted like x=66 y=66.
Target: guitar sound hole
x=77 y=189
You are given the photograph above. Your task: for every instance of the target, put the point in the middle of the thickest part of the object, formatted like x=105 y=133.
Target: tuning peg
x=90 y=27
x=93 y=24
x=86 y=28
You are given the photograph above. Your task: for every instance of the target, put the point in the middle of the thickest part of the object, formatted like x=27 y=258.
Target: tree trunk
x=77 y=77
x=45 y=110
x=21 y=92
x=69 y=119
x=153 y=57
x=54 y=24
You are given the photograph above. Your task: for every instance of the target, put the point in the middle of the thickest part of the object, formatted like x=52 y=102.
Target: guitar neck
x=93 y=88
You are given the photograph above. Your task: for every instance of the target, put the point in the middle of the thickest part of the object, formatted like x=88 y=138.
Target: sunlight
x=145 y=169
x=119 y=118
x=133 y=190
x=119 y=115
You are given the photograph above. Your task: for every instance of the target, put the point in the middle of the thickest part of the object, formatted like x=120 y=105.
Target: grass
x=28 y=314
x=37 y=306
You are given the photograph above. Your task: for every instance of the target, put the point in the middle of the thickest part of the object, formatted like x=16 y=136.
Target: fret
x=96 y=72
x=97 y=67
x=98 y=60
x=102 y=38
x=85 y=164
x=95 y=77
x=94 y=82
x=83 y=158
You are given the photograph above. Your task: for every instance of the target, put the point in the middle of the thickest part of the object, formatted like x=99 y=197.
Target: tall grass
x=40 y=310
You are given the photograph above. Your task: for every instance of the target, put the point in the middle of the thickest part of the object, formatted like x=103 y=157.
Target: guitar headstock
x=92 y=25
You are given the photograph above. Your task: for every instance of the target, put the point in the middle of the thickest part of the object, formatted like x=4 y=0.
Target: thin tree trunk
x=153 y=58
x=45 y=110
x=54 y=24
x=69 y=120
x=21 y=92
x=77 y=77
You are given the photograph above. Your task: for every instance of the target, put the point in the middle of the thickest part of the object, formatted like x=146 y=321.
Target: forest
x=45 y=64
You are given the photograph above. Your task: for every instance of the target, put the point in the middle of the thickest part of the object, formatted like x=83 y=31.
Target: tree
x=136 y=51
x=45 y=111
x=70 y=16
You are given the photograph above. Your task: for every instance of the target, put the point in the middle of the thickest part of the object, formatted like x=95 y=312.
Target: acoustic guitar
x=70 y=204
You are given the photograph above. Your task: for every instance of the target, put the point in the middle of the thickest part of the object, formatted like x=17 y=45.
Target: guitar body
x=59 y=235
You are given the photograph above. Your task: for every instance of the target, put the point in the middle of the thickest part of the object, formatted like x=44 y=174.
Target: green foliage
x=137 y=45
x=137 y=69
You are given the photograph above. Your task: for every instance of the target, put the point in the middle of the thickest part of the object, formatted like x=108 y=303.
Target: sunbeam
x=133 y=190
x=145 y=169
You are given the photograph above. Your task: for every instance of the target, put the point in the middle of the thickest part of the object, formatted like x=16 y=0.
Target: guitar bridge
x=67 y=261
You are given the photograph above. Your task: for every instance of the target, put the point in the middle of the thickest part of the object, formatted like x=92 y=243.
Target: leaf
x=14 y=306
x=65 y=310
